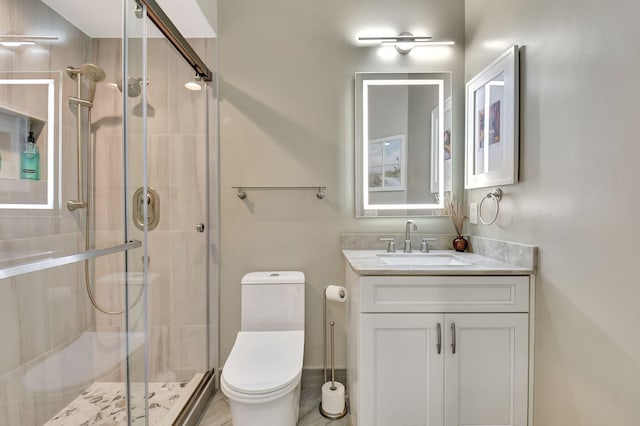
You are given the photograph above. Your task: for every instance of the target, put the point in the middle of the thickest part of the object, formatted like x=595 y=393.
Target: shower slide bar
x=169 y=30
x=41 y=265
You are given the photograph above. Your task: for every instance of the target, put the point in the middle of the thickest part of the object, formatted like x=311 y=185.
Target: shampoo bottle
x=30 y=160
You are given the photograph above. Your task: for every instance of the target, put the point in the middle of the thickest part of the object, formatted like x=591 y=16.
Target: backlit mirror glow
x=403 y=143
x=27 y=105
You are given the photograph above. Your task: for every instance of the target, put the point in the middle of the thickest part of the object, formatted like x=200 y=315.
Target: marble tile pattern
x=219 y=414
x=487 y=254
x=365 y=262
x=513 y=253
x=104 y=404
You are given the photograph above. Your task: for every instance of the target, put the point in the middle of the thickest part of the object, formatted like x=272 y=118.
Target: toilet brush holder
x=333 y=404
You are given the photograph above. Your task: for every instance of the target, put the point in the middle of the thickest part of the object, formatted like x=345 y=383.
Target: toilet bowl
x=261 y=377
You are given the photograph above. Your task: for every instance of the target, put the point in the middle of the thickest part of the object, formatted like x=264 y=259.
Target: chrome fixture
x=453 y=338
x=134 y=86
x=343 y=296
x=391 y=245
x=424 y=246
x=242 y=194
x=405 y=41
x=496 y=196
x=94 y=74
x=55 y=262
x=152 y=200
x=407 y=236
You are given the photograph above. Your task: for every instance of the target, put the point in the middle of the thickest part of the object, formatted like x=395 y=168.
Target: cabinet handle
x=453 y=337
x=439 y=344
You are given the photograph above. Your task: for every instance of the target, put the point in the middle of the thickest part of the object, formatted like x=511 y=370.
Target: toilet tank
x=273 y=301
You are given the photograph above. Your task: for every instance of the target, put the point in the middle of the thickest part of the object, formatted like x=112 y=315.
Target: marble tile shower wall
x=40 y=312
x=176 y=149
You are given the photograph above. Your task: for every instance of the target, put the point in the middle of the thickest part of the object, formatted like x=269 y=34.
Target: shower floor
x=103 y=403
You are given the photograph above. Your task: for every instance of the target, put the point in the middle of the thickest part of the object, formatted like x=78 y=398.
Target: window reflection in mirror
x=403 y=143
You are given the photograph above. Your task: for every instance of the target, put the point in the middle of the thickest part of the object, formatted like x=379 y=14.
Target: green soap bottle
x=30 y=160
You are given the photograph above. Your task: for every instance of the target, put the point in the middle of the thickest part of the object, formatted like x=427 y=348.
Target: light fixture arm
x=405 y=41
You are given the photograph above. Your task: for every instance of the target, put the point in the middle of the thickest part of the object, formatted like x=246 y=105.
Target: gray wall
x=577 y=196
x=388 y=116
x=286 y=118
x=422 y=100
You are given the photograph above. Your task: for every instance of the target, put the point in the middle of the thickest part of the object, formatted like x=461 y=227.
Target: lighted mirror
x=403 y=143
x=27 y=128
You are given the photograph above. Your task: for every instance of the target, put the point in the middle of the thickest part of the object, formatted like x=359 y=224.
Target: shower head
x=95 y=75
x=93 y=72
x=134 y=86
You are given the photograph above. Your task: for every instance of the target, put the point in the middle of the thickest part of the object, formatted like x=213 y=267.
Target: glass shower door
x=138 y=206
x=166 y=155
x=177 y=160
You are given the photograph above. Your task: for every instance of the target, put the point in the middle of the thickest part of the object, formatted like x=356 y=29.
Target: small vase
x=460 y=243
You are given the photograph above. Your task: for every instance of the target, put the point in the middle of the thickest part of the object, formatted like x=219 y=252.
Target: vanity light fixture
x=19 y=40
x=405 y=41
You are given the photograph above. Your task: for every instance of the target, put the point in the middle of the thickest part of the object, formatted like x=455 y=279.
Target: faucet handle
x=391 y=246
x=424 y=247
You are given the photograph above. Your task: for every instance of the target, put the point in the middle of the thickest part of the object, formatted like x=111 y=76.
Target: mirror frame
x=363 y=80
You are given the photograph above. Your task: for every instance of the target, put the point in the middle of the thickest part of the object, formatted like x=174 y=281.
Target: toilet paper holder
x=338 y=294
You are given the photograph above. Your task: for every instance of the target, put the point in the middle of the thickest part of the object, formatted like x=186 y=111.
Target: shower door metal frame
x=173 y=35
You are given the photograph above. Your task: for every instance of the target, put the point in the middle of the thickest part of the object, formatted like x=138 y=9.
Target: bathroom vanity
x=440 y=338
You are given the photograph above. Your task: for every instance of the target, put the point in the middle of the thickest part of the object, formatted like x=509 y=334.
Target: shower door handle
x=152 y=200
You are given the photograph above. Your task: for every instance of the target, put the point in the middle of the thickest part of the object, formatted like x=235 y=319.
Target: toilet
x=262 y=375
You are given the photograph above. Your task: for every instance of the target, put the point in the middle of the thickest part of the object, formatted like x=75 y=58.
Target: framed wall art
x=491 y=131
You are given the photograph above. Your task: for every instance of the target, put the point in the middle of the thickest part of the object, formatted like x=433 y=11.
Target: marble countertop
x=366 y=262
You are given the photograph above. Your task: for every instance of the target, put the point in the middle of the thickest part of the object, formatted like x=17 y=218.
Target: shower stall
x=108 y=260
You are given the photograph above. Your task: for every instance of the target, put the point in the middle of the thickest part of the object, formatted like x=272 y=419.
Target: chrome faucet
x=407 y=236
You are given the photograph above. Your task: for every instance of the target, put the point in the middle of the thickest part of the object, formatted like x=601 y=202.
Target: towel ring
x=496 y=196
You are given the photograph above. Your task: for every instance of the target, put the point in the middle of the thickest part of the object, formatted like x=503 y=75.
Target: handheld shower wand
x=95 y=75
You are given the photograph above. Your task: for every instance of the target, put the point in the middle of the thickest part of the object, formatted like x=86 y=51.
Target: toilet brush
x=333 y=404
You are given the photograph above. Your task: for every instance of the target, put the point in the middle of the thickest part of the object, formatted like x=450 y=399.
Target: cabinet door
x=401 y=369
x=487 y=376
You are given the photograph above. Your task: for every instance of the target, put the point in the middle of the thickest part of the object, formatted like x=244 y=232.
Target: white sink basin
x=422 y=259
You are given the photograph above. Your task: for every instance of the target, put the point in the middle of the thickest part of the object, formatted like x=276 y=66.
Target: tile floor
x=104 y=403
x=219 y=414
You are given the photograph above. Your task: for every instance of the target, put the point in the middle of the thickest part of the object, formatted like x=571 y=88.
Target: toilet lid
x=264 y=361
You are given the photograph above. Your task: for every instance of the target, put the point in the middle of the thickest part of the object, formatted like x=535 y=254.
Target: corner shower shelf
x=242 y=189
x=54 y=262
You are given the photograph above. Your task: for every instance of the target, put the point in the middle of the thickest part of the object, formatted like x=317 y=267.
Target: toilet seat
x=263 y=364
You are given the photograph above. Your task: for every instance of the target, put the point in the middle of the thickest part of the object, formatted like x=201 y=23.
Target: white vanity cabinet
x=438 y=350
